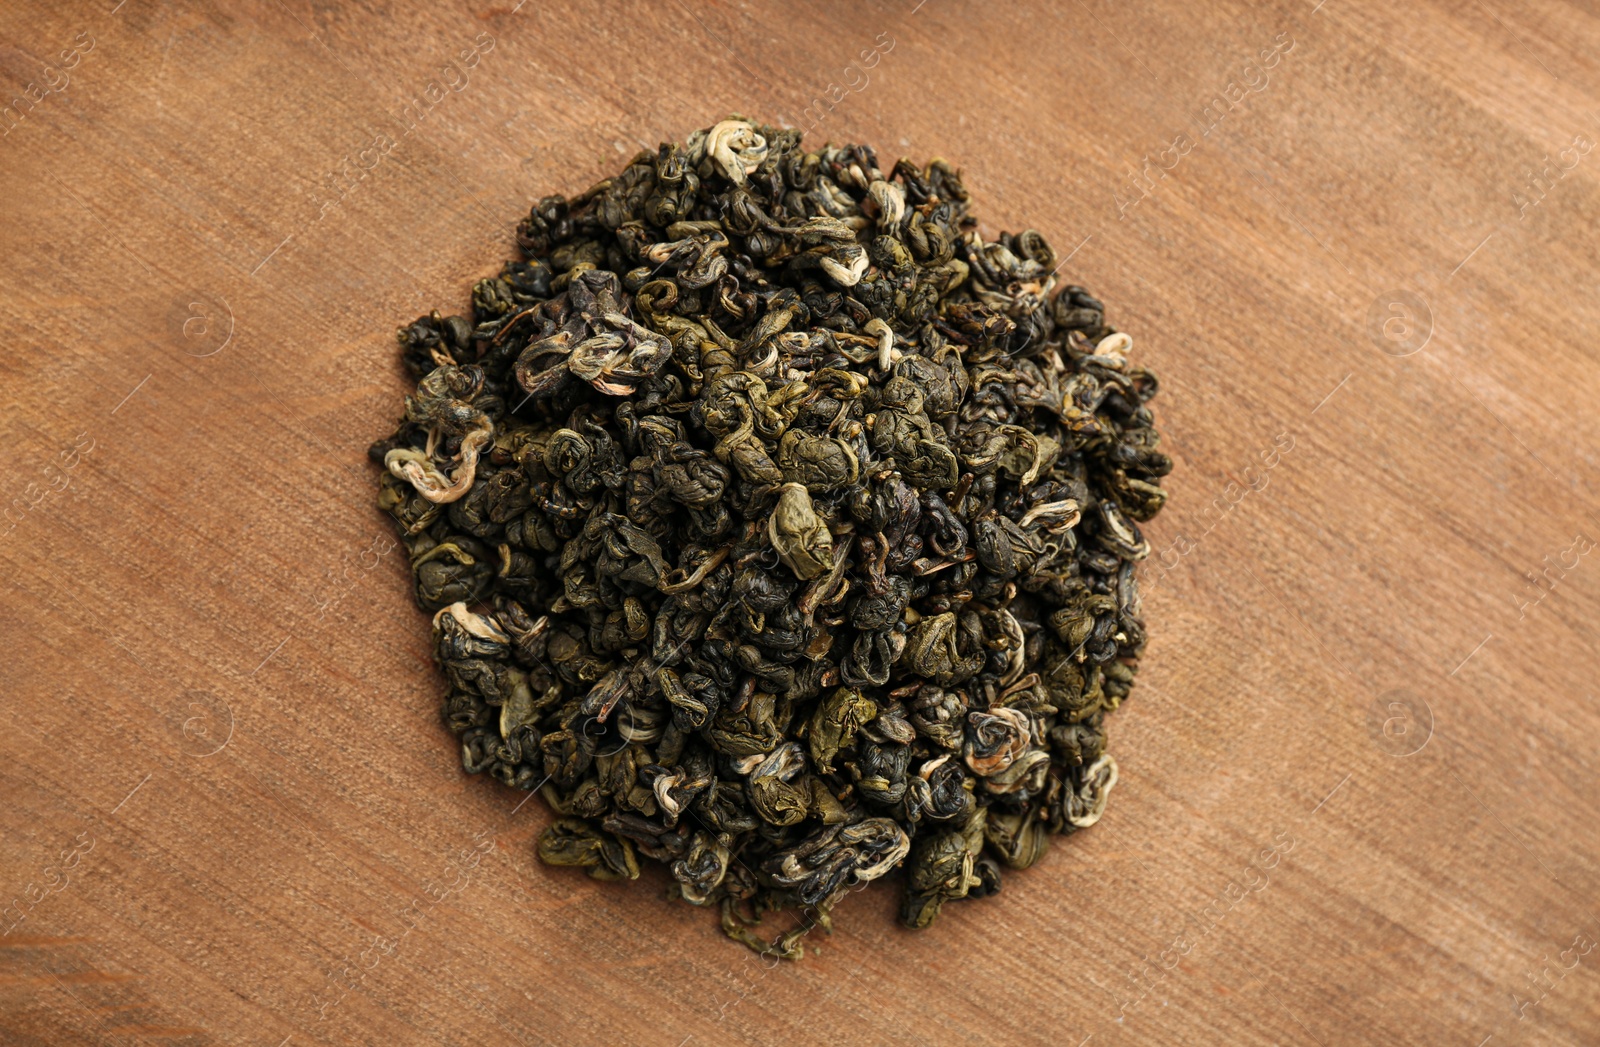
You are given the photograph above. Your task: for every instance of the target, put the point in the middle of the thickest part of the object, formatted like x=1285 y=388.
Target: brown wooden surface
x=249 y=785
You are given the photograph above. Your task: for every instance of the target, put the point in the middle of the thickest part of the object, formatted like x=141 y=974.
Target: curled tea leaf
x=995 y=739
x=423 y=473
x=1084 y=804
x=800 y=536
x=835 y=723
x=736 y=148
x=569 y=841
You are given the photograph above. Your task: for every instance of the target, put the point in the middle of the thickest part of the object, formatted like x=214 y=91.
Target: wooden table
x=1356 y=241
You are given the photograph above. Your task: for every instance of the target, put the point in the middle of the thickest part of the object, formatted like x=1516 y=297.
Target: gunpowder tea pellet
x=779 y=528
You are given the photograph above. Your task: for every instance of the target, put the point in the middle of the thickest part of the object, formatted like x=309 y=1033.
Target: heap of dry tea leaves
x=781 y=529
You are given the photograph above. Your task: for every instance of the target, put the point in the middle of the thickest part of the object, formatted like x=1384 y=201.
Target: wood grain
x=230 y=812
